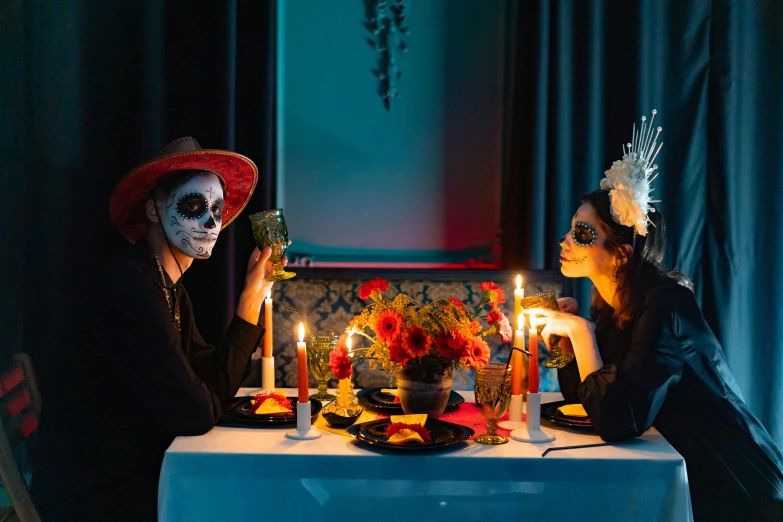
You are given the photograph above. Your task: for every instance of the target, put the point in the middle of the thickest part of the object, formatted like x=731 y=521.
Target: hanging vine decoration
x=385 y=20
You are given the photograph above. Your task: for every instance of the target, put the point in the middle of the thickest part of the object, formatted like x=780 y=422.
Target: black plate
x=238 y=414
x=444 y=435
x=550 y=413
x=369 y=403
x=383 y=398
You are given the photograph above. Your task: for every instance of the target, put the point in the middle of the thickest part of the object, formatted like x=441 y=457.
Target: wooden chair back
x=20 y=407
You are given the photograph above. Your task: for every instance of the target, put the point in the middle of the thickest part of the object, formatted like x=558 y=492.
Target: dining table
x=235 y=473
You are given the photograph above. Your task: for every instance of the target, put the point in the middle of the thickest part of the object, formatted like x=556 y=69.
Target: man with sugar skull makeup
x=144 y=374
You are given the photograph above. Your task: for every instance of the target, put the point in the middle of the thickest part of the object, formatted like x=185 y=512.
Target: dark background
x=89 y=89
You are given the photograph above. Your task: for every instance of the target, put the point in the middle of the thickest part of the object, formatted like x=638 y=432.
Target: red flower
x=505 y=330
x=479 y=352
x=340 y=363
x=398 y=353
x=494 y=316
x=388 y=325
x=416 y=341
x=457 y=303
x=395 y=427
x=493 y=293
x=450 y=347
x=371 y=287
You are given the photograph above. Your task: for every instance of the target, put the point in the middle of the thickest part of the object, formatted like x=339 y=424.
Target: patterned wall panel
x=328 y=304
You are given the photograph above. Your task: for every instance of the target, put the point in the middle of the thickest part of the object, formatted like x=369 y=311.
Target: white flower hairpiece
x=628 y=180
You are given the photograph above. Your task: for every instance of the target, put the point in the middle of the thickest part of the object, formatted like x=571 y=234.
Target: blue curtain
x=88 y=90
x=582 y=72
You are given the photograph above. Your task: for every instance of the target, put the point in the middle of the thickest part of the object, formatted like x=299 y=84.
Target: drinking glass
x=548 y=300
x=319 y=347
x=269 y=230
x=493 y=395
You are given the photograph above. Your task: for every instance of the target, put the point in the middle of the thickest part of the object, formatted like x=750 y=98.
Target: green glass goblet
x=269 y=230
x=319 y=347
x=493 y=395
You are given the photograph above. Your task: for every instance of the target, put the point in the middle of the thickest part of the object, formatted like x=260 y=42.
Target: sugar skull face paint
x=193 y=215
x=582 y=251
x=584 y=234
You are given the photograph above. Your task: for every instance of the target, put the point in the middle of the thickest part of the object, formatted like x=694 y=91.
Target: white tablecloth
x=254 y=474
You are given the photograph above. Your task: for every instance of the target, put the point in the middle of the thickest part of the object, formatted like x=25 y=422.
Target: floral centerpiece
x=443 y=335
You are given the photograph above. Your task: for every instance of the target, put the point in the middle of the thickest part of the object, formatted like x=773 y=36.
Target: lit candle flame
x=269 y=295
x=519 y=282
x=301 y=332
x=348 y=343
x=521 y=322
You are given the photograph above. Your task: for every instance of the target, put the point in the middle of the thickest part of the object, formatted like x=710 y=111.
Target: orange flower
x=417 y=342
x=450 y=347
x=398 y=353
x=475 y=327
x=479 y=352
x=388 y=325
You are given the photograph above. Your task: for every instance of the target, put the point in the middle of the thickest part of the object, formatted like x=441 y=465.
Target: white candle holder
x=268 y=374
x=304 y=430
x=532 y=431
x=514 y=421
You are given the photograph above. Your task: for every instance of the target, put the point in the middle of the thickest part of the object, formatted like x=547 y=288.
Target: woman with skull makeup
x=143 y=374
x=648 y=358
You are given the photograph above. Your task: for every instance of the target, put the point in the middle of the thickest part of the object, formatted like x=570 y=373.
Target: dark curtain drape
x=583 y=72
x=91 y=88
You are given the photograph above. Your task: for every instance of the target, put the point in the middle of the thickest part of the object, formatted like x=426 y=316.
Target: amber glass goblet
x=319 y=348
x=493 y=395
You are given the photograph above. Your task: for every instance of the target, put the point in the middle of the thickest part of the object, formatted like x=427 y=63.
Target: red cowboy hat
x=126 y=205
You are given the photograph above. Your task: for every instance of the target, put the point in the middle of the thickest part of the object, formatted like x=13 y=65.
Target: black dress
x=127 y=387
x=668 y=370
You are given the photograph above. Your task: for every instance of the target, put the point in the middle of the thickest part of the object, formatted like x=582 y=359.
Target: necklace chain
x=175 y=309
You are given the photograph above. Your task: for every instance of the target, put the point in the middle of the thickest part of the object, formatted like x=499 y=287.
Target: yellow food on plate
x=416 y=418
x=270 y=406
x=391 y=391
x=407 y=435
x=573 y=410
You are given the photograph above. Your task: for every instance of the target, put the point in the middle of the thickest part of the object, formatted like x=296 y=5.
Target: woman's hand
x=568 y=305
x=579 y=332
x=563 y=324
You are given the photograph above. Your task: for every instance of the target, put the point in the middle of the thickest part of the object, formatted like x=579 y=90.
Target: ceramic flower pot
x=424 y=387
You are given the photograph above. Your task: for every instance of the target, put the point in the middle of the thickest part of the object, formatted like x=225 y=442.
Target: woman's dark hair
x=640 y=272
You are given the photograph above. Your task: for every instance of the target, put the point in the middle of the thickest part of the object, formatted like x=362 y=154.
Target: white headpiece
x=628 y=180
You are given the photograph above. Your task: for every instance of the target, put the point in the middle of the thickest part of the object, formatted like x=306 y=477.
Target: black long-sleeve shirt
x=668 y=370
x=128 y=387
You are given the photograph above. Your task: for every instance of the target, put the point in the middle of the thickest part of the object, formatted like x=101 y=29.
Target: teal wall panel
x=420 y=182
